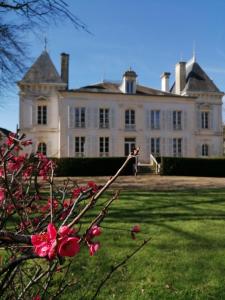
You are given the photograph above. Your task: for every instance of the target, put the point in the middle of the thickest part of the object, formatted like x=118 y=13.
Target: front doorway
x=129 y=145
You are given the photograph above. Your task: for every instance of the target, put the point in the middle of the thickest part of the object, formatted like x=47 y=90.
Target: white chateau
x=109 y=119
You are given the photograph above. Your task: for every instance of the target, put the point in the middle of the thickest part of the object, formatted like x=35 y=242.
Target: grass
x=184 y=260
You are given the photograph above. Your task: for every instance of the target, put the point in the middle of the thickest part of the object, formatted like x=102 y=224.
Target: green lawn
x=184 y=260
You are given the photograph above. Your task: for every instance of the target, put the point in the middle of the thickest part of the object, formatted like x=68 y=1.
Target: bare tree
x=17 y=18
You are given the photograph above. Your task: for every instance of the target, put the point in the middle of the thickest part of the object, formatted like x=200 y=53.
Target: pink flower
x=135 y=229
x=94 y=247
x=68 y=246
x=2 y=194
x=95 y=231
x=37 y=297
x=93 y=185
x=45 y=243
x=26 y=143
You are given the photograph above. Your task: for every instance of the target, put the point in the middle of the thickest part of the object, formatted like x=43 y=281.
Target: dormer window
x=129 y=87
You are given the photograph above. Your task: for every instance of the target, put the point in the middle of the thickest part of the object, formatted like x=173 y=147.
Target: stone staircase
x=145 y=169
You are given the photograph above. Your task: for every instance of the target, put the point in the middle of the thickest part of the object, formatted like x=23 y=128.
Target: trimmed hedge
x=205 y=167
x=96 y=166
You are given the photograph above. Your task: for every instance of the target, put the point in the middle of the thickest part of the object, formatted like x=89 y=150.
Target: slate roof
x=114 y=88
x=42 y=71
x=197 y=80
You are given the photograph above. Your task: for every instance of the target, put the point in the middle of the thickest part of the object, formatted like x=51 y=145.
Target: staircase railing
x=153 y=162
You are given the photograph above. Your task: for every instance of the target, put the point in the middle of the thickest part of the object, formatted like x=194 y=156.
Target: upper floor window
x=205 y=120
x=129 y=86
x=79 y=146
x=155 y=146
x=42 y=148
x=104 y=146
x=79 y=117
x=103 y=118
x=155 y=119
x=130 y=119
x=42 y=114
x=177 y=147
x=205 y=150
x=177 y=120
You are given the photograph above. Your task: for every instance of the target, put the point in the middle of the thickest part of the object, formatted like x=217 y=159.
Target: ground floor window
x=205 y=150
x=129 y=145
x=177 y=147
x=42 y=148
x=103 y=146
x=79 y=146
x=155 y=146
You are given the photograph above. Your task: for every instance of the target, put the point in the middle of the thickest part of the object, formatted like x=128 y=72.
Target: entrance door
x=129 y=145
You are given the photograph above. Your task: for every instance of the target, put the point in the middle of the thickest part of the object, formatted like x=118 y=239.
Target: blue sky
x=150 y=36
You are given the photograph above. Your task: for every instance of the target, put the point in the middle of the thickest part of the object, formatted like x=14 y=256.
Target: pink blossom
x=45 y=243
x=135 y=229
x=26 y=143
x=93 y=247
x=2 y=194
x=95 y=231
x=93 y=185
x=37 y=297
x=68 y=246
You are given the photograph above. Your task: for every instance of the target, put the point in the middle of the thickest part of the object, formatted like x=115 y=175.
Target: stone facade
x=109 y=119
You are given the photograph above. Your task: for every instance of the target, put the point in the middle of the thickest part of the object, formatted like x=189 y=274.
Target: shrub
x=207 y=167
x=96 y=166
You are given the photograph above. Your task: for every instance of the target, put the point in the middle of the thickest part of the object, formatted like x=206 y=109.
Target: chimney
x=165 y=82
x=65 y=68
x=180 y=77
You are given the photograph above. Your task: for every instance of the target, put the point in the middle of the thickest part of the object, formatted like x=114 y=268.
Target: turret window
x=129 y=87
x=42 y=114
x=42 y=148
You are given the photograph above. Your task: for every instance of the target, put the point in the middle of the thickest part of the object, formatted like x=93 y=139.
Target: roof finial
x=194 y=52
x=45 y=43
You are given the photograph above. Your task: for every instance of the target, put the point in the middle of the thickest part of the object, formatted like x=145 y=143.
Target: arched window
x=42 y=148
x=130 y=119
x=205 y=150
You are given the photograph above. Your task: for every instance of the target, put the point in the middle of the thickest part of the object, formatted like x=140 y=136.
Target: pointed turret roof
x=42 y=71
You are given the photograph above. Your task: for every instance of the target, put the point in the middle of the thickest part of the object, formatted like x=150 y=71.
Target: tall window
x=42 y=148
x=177 y=147
x=155 y=119
x=79 y=146
x=79 y=117
x=205 y=150
x=130 y=119
x=42 y=114
x=205 y=120
x=129 y=87
x=155 y=146
x=104 y=146
x=129 y=145
x=103 y=118
x=177 y=120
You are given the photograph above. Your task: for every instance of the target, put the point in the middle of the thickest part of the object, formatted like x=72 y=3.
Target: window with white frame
x=177 y=147
x=155 y=146
x=155 y=119
x=79 y=146
x=42 y=148
x=103 y=118
x=103 y=146
x=205 y=150
x=129 y=145
x=177 y=120
x=79 y=117
x=42 y=114
x=205 y=120
x=130 y=119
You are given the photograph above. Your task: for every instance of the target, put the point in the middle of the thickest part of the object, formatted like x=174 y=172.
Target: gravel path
x=156 y=182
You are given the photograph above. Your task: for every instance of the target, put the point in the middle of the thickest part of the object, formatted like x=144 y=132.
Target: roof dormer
x=129 y=82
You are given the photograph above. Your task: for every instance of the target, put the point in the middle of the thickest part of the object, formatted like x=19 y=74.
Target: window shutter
x=112 y=117
x=169 y=120
x=147 y=119
x=170 y=147
x=96 y=118
x=185 y=145
x=163 y=150
x=71 y=146
x=211 y=121
x=185 y=120
x=34 y=115
x=112 y=146
x=88 y=117
x=71 y=117
x=198 y=119
x=163 y=120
